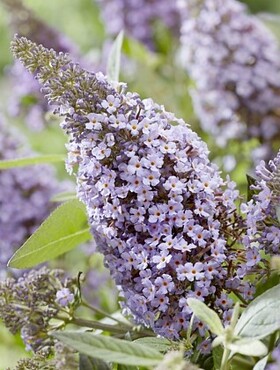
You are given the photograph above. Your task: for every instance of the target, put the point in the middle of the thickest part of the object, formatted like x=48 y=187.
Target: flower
x=262 y=220
x=27 y=100
x=137 y=18
x=237 y=87
x=162 y=258
x=28 y=304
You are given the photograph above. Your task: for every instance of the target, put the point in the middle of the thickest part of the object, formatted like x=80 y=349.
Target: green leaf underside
x=63 y=230
x=114 y=61
x=261 y=318
x=160 y=344
x=206 y=315
x=248 y=347
x=65 y=196
x=30 y=161
x=111 y=349
x=89 y=363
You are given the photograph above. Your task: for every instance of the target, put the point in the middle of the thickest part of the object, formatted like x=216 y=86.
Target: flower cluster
x=262 y=215
x=27 y=100
x=64 y=358
x=28 y=305
x=25 y=195
x=234 y=61
x=160 y=213
x=138 y=17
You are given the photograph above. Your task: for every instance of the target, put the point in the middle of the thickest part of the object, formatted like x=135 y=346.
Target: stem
x=114 y=329
x=239 y=296
x=101 y=326
x=224 y=364
x=103 y=313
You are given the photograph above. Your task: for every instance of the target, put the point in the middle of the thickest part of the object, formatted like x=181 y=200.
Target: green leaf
x=260 y=365
x=30 y=161
x=275 y=264
x=160 y=344
x=62 y=231
x=261 y=318
x=267 y=283
x=217 y=354
x=65 y=196
x=250 y=192
x=206 y=315
x=137 y=51
x=278 y=213
x=110 y=349
x=89 y=363
x=125 y=367
x=248 y=347
x=114 y=61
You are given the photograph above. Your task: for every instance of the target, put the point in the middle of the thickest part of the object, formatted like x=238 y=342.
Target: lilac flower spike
x=161 y=215
x=137 y=17
x=262 y=214
x=27 y=100
x=235 y=62
x=24 y=197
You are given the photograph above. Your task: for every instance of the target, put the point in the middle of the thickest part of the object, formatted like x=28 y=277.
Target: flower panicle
x=64 y=82
x=160 y=212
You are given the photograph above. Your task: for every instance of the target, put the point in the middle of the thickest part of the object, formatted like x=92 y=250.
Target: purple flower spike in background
x=24 y=197
x=137 y=17
x=234 y=61
x=27 y=99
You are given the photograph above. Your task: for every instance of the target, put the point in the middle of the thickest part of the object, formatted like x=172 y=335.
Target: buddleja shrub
x=185 y=254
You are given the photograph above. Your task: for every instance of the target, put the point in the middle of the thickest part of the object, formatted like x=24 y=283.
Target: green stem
x=100 y=326
x=103 y=313
x=224 y=364
x=121 y=329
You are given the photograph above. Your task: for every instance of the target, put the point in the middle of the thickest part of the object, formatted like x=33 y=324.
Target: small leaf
x=278 y=213
x=260 y=365
x=63 y=230
x=248 y=347
x=251 y=181
x=275 y=265
x=267 y=283
x=206 y=315
x=110 y=349
x=114 y=61
x=160 y=344
x=89 y=363
x=63 y=197
x=217 y=354
x=261 y=318
x=137 y=51
x=30 y=161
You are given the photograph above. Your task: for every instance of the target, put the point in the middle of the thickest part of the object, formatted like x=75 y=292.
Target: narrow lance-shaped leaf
x=62 y=231
x=261 y=318
x=206 y=315
x=114 y=61
x=63 y=197
x=89 y=363
x=160 y=344
x=29 y=161
x=111 y=349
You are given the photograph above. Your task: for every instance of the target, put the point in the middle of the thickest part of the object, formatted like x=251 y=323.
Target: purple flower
x=25 y=196
x=137 y=18
x=64 y=297
x=237 y=86
x=158 y=253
